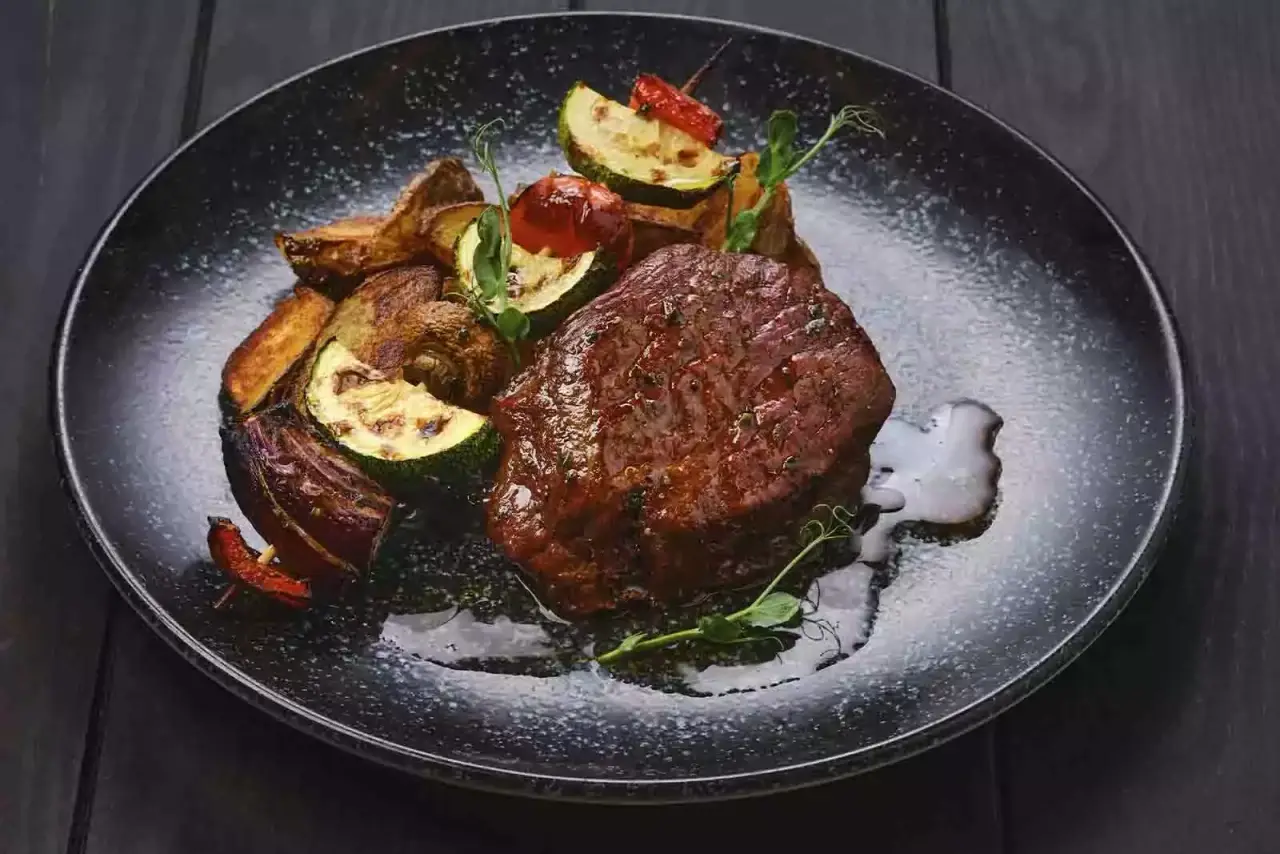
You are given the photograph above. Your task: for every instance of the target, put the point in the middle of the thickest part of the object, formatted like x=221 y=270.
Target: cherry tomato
x=569 y=215
x=656 y=97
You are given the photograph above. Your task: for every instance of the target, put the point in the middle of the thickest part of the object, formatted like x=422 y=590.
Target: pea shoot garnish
x=779 y=161
x=772 y=610
x=492 y=261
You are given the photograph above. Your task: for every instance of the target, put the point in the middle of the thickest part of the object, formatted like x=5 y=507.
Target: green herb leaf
x=770 y=164
x=776 y=609
x=863 y=118
x=742 y=231
x=718 y=628
x=491 y=263
x=512 y=323
x=812 y=530
x=779 y=161
x=764 y=636
x=782 y=131
x=487 y=263
x=777 y=157
x=770 y=610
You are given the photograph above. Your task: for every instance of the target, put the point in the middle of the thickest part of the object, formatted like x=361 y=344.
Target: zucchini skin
x=602 y=273
x=457 y=462
x=461 y=463
x=631 y=189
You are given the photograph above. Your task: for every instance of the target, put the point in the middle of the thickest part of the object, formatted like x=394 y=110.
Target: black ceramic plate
x=978 y=265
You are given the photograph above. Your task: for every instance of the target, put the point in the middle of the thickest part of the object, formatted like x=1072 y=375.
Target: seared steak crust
x=673 y=434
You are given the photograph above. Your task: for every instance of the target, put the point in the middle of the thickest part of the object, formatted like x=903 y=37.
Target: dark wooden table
x=1164 y=737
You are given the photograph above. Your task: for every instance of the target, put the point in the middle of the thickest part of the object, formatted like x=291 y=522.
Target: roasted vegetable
x=706 y=221
x=446 y=224
x=685 y=219
x=247 y=566
x=545 y=288
x=656 y=227
x=656 y=98
x=641 y=159
x=775 y=235
x=569 y=215
x=395 y=322
x=444 y=182
x=383 y=319
x=342 y=250
x=322 y=514
x=459 y=359
x=399 y=432
x=800 y=255
x=271 y=350
x=652 y=236
x=339 y=253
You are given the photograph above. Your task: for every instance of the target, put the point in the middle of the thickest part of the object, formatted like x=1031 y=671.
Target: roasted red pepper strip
x=655 y=97
x=234 y=556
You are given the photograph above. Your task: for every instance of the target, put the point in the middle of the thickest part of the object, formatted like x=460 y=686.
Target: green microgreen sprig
x=772 y=610
x=779 y=161
x=492 y=261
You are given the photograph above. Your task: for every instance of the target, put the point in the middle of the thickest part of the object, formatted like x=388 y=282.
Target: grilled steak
x=673 y=434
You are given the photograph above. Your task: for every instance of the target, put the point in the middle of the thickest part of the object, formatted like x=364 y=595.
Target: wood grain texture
x=1164 y=737
x=90 y=98
x=187 y=767
x=194 y=769
x=257 y=43
x=898 y=32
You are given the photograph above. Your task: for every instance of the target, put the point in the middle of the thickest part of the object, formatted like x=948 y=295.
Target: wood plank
x=90 y=98
x=900 y=33
x=1164 y=737
x=257 y=43
x=188 y=767
x=202 y=771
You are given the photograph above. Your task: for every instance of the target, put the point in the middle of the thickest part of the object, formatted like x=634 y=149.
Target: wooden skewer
x=692 y=82
x=225 y=597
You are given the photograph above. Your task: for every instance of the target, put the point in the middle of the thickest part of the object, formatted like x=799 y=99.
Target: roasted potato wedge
x=337 y=254
x=777 y=229
x=656 y=227
x=445 y=182
x=800 y=255
x=270 y=352
x=652 y=236
x=340 y=250
x=678 y=218
x=775 y=222
x=707 y=222
x=324 y=516
x=712 y=221
x=445 y=224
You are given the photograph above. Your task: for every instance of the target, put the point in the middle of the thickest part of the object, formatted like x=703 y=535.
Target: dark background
x=1164 y=737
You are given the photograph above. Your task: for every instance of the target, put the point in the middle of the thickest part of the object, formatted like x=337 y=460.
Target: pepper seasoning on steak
x=673 y=434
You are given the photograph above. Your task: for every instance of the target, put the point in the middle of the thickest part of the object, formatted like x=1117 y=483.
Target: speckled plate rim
x=647 y=790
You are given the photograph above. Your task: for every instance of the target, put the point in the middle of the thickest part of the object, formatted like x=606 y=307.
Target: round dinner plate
x=980 y=267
